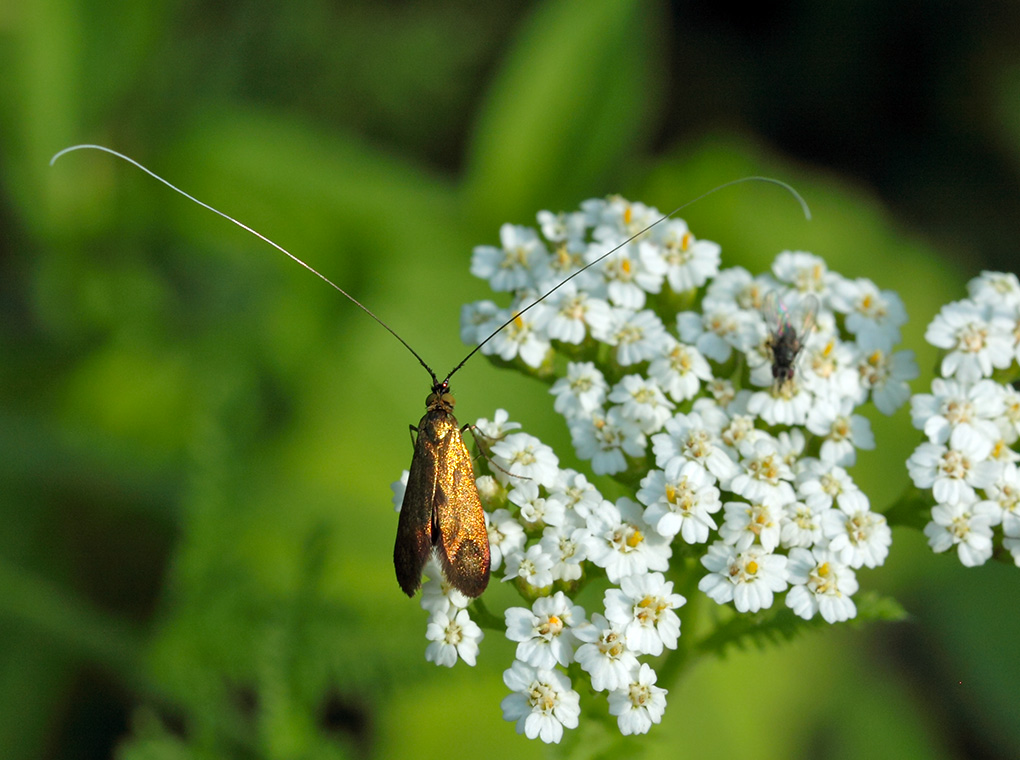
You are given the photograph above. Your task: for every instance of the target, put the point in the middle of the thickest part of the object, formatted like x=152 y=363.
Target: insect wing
x=803 y=316
x=780 y=319
x=414 y=526
x=463 y=544
x=773 y=312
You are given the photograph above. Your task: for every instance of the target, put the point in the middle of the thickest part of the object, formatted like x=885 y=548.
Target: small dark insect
x=788 y=329
x=442 y=511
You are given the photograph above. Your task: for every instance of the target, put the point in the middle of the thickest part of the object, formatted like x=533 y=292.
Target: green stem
x=481 y=615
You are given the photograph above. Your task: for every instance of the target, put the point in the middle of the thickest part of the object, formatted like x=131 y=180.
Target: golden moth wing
x=463 y=540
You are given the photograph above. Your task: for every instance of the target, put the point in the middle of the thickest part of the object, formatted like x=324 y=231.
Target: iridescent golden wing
x=463 y=544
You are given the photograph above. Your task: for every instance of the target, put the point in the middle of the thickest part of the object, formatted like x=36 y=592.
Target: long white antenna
x=257 y=234
x=356 y=302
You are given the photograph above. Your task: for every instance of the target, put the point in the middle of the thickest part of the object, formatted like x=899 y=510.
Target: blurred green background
x=198 y=436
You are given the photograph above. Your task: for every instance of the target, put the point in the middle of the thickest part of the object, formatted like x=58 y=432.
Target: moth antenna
x=257 y=234
x=769 y=180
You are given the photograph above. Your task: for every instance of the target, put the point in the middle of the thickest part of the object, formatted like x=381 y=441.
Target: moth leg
x=484 y=450
x=411 y=430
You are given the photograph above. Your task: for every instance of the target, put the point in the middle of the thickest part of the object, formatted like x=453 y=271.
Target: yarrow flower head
x=969 y=419
x=726 y=405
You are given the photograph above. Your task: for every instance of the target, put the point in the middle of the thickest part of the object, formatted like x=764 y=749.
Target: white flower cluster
x=972 y=422
x=696 y=393
x=569 y=525
x=668 y=382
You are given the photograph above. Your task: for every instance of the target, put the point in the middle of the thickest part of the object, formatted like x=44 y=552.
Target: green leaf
x=568 y=110
x=872 y=606
x=779 y=624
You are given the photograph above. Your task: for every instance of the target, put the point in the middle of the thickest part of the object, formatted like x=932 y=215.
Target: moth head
x=440 y=397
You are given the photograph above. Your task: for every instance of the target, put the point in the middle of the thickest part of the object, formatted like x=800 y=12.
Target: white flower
x=951 y=404
x=452 y=637
x=721 y=391
x=566 y=260
x=828 y=366
x=437 y=595
x=637 y=336
x=581 y=392
x=506 y=537
x=688 y=437
x=953 y=473
x=519 y=263
x=605 y=656
x=806 y=272
x=567 y=548
x=596 y=211
x=718 y=331
x=967 y=526
x=842 y=432
x=532 y=506
x=644 y=605
x=791 y=444
x=868 y=309
x=562 y=226
x=616 y=217
x=630 y=272
x=885 y=374
x=524 y=456
x=820 y=583
x=680 y=370
x=741 y=427
x=605 y=438
x=748 y=579
x=735 y=285
x=524 y=336
x=976 y=339
x=477 y=321
x=857 y=537
x=1010 y=419
x=534 y=566
x=1000 y=289
x=1005 y=492
x=544 y=633
x=542 y=702
x=577 y=496
x=786 y=403
x=1011 y=530
x=680 y=500
x=822 y=484
x=570 y=312
x=638 y=705
x=642 y=402
x=747 y=524
x=622 y=543
x=801 y=525
x=765 y=476
x=489 y=490
x=499 y=427
x=399 y=487
x=690 y=262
